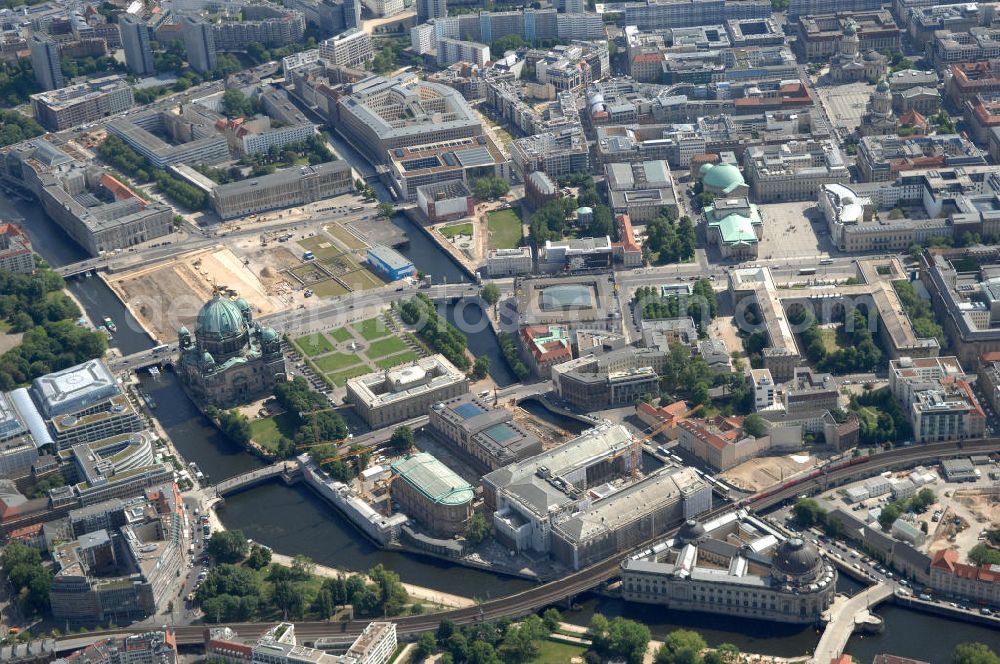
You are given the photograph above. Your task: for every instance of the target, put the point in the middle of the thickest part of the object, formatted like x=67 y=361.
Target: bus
x=807 y=270
x=826 y=261
x=357 y=209
x=160 y=349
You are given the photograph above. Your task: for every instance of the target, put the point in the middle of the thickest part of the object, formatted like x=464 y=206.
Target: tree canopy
x=228 y=546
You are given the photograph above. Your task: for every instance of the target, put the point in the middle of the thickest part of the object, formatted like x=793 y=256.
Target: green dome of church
x=220 y=318
x=268 y=334
x=242 y=304
x=722 y=177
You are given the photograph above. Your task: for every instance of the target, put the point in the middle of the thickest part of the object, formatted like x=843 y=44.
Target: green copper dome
x=268 y=334
x=220 y=317
x=242 y=304
x=723 y=177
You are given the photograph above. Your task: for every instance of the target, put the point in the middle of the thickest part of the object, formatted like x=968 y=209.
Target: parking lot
x=845 y=104
x=794 y=230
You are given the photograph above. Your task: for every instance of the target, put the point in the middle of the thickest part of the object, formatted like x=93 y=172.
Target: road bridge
x=250 y=479
x=573 y=584
x=845 y=618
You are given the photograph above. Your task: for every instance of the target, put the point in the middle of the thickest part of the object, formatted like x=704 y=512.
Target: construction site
x=276 y=270
x=589 y=492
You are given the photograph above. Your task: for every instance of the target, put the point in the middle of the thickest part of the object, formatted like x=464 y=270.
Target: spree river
x=292 y=520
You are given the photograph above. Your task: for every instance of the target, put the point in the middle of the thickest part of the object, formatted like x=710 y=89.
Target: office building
x=351 y=48
x=608 y=379
x=18 y=451
x=450 y=51
x=72 y=193
x=190 y=130
x=285 y=188
x=279 y=645
x=81 y=103
x=230 y=359
x=977 y=44
x=135 y=40
x=370 y=114
x=882 y=158
x=971 y=79
x=965 y=302
x=123 y=575
x=15 y=250
x=509 y=262
x=386 y=398
x=262 y=23
x=428 y=9
x=45 y=62
x=554 y=153
x=199 y=43
x=431 y=492
x=663 y=14
x=463 y=160
x=734 y=565
x=486 y=434
x=938 y=399
x=642 y=190
x=148 y=648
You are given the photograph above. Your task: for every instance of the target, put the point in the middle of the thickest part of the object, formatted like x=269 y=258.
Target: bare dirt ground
x=760 y=473
x=169 y=294
x=975 y=513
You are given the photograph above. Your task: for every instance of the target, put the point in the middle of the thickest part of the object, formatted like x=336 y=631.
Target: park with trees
x=34 y=304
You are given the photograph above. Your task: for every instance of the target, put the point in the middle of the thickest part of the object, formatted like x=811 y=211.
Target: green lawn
x=328 y=288
x=321 y=246
x=344 y=236
x=396 y=360
x=335 y=362
x=339 y=379
x=456 y=229
x=385 y=347
x=341 y=334
x=552 y=652
x=313 y=344
x=362 y=279
x=269 y=430
x=372 y=329
x=505 y=229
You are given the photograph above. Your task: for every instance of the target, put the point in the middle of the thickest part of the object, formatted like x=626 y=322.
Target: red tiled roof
x=947 y=560
x=26 y=532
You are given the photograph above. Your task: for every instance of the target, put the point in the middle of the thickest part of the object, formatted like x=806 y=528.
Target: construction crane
x=385 y=484
x=347 y=455
x=655 y=431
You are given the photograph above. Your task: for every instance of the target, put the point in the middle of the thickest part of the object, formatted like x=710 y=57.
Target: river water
x=294 y=521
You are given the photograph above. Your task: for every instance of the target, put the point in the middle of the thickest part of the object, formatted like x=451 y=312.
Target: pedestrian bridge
x=847 y=616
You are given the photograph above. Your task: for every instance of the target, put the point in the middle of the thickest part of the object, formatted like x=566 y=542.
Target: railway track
x=530 y=600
